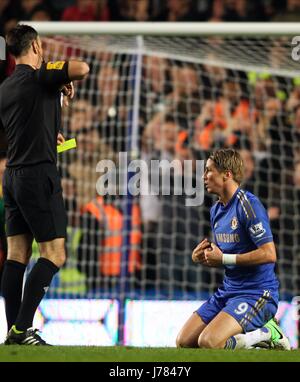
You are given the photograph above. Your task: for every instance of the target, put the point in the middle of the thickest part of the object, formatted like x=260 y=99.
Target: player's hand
x=198 y=253
x=213 y=256
x=60 y=139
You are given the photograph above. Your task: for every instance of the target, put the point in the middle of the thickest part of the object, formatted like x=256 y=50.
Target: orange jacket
x=111 y=255
x=205 y=138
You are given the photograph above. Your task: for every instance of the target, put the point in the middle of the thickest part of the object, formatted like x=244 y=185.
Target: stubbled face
x=213 y=179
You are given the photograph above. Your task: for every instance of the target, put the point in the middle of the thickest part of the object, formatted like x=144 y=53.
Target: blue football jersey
x=241 y=226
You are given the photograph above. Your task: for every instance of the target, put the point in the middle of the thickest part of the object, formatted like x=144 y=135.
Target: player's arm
x=266 y=253
x=214 y=257
x=77 y=70
x=57 y=74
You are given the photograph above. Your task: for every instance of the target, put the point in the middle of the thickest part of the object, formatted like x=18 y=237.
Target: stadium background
x=187 y=105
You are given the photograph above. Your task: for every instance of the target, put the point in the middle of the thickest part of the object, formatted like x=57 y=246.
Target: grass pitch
x=15 y=353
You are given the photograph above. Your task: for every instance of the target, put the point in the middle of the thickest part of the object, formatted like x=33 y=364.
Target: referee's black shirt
x=30 y=113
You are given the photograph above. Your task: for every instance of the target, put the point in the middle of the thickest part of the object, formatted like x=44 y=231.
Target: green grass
x=15 y=353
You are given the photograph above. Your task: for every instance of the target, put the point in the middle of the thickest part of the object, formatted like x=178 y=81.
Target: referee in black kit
x=30 y=111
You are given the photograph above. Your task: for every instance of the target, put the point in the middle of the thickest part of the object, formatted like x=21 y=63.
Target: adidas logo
x=46 y=289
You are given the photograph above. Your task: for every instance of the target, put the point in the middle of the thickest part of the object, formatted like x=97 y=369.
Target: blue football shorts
x=251 y=310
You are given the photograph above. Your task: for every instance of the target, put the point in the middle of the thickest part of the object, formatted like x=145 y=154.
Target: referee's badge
x=57 y=65
x=234 y=223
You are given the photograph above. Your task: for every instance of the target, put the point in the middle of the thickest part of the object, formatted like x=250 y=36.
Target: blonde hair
x=229 y=160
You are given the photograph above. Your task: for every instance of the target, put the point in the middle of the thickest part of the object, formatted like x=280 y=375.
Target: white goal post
x=167 y=28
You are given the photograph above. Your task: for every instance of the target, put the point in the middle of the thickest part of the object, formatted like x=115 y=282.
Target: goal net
x=160 y=99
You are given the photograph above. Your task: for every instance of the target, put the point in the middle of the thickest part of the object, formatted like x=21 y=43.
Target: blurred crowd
x=11 y=11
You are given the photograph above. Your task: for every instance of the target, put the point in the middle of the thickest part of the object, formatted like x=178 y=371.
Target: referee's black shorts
x=33 y=202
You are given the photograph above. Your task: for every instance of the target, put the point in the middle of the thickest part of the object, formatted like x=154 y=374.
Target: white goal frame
x=167 y=28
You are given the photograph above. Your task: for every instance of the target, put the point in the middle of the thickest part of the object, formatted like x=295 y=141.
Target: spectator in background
x=294 y=98
x=26 y=7
x=264 y=89
x=296 y=134
x=6 y=13
x=186 y=83
x=255 y=181
x=291 y=13
x=241 y=10
x=156 y=87
x=278 y=132
x=213 y=77
x=81 y=116
x=119 y=10
x=158 y=142
x=87 y=10
x=137 y=10
x=277 y=52
x=91 y=149
x=101 y=250
x=8 y=16
x=179 y=10
x=9 y=25
x=180 y=93
x=142 y=10
x=82 y=162
x=255 y=184
x=217 y=11
x=40 y=13
x=221 y=123
x=112 y=111
x=238 y=10
x=276 y=137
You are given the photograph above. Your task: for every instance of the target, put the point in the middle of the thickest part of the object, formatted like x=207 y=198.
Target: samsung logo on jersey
x=2 y=48
x=228 y=237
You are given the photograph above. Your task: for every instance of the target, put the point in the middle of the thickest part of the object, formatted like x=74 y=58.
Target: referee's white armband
x=228 y=259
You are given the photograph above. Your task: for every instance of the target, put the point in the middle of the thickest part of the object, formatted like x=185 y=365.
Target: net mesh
x=173 y=98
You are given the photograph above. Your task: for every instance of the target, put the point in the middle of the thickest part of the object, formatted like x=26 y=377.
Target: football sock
x=36 y=286
x=246 y=341
x=11 y=287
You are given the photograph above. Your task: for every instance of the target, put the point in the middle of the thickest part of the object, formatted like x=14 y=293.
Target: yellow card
x=67 y=145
